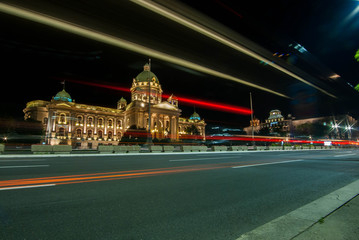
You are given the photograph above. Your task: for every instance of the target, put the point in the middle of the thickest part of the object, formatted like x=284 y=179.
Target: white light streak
x=115 y=41
x=217 y=37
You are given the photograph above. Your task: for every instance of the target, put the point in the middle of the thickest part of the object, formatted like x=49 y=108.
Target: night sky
x=36 y=58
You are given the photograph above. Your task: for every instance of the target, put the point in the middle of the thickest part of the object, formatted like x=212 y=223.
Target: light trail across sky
x=159 y=9
x=187 y=101
x=118 y=42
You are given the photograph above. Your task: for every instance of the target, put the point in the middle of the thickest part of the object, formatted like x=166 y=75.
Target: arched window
x=100 y=122
x=110 y=123
x=90 y=121
x=62 y=132
x=109 y=134
x=62 y=119
x=78 y=133
x=89 y=133
x=119 y=124
x=100 y=134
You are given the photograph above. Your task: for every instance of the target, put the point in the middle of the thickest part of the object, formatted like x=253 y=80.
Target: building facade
x=87 y=126
x=334 y=127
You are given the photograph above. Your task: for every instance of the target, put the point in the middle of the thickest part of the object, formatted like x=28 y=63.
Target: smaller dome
x=195 y=116
x=275 y=114
x=122 y=100
x=63 y=96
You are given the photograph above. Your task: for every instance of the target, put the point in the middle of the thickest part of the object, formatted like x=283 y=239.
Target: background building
x=86 y=126
x=331 y=127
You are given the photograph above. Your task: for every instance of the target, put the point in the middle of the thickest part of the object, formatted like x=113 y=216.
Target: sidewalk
x=341 y=224
x=333 y=216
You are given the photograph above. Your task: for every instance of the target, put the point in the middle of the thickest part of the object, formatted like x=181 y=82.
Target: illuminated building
x=195 y=120
x=87 y=126
x=333 y=127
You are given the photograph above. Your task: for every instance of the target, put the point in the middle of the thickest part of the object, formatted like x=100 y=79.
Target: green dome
x=63 y=96
x=143 y=76
x=122 y=100
x=195 y=116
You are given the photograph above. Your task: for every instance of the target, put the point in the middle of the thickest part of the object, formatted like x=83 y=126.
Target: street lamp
x=149 y=134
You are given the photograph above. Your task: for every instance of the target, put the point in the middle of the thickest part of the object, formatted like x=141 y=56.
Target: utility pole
x=250 y=99
x=149 y=136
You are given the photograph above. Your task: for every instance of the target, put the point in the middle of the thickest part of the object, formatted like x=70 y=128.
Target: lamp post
x=149 y=135
x=250 y=98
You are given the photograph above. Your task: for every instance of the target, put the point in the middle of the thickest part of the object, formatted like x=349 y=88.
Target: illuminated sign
x=327 y=143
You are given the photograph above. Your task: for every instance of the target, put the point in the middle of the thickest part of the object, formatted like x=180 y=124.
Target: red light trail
x=187 y=101
x=120 y=175
x=106 y=176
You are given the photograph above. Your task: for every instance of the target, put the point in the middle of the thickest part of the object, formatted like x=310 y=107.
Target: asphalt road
x=158 y=196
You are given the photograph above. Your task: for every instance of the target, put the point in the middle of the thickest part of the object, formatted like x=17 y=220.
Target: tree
x=316 y=129
x=265 y=131
x=192 y=130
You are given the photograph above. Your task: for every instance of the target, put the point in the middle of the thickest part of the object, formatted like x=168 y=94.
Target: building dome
x=145 y=74
x=195 y=116
x=140 y=87
x=122 y=100
x=63 y=96
x=275 y=114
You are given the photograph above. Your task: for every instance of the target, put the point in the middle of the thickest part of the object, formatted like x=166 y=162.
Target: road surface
x=163 y=196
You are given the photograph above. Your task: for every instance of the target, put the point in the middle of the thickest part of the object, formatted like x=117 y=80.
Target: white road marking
x=200 y=159
x=25 y=166
x=344 y=155
x=261 y=164
x=24 y=160
x=31 y=186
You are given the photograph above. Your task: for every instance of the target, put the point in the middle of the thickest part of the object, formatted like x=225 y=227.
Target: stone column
x=114 y=124
x=95 y=124
x=85 y=123
x=106 y=124
x=48 y=126
x=53 y=122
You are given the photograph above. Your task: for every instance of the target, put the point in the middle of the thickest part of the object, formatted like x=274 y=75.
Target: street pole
x=250 y=98
x=149 y=136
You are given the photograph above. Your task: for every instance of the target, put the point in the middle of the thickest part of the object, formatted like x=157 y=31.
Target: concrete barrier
x=41 y=149
x=62 y=149
x=275 y=148
x=238 y=148
x=134 y=148
x=105 y=148
x=219 y=148
x=2 y=148
x=168 y=148
x=234 y=148
x=262 y=148
x=155 y=148
x=195 y=149
x=202 y=148
x=120 y=149
x=185 y=148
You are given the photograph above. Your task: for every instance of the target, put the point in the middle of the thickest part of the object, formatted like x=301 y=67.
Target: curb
x=296 y=222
